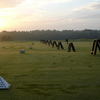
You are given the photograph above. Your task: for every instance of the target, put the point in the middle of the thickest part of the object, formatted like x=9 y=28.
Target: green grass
x=46 y=73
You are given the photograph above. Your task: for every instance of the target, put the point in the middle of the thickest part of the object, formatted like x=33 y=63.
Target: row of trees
x=49 y=35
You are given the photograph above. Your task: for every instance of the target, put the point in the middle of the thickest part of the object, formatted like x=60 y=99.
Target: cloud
x=52 y=1
x=9 y=3
x=57 y=1
x=40 y=2
x=92 y=16
x=91 y=7
x=85 y=14
x=94 y=6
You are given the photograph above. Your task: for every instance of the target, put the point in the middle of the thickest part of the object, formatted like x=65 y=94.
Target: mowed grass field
x=46 y=73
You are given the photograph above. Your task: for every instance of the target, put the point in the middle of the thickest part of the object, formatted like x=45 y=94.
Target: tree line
x=49 y=35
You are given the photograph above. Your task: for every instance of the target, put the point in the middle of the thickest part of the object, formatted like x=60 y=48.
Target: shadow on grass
x=77 y=87
x=46 y=89
x=67 y=91
x=20 y=76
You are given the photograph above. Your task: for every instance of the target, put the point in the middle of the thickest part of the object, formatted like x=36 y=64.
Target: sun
x=1 y=22
x=4 y=24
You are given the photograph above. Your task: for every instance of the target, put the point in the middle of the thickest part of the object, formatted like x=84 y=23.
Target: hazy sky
x=49 y=14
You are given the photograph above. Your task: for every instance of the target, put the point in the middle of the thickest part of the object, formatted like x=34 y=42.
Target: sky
x=26 y=15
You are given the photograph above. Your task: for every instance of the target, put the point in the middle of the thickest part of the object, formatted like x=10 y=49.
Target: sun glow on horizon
x=1 y=22
x=5 y=24
x=49 y=14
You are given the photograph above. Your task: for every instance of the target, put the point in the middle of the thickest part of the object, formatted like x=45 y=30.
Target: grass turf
x=46 y=73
